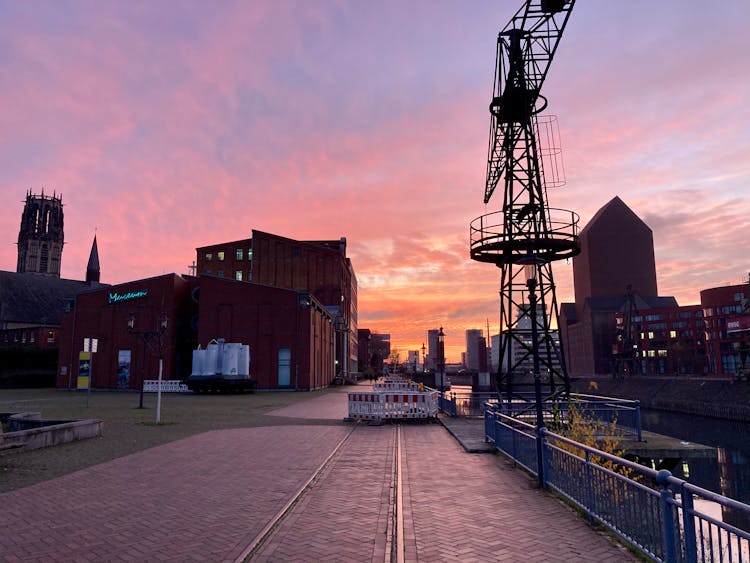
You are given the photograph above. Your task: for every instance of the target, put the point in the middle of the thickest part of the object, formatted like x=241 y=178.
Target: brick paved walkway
x=207 y=498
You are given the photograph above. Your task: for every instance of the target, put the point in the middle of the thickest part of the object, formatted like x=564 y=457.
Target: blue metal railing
x=626 y=413
x=447 y=404
x=653 y=511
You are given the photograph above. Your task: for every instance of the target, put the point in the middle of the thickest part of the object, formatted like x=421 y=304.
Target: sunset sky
x=171 y=125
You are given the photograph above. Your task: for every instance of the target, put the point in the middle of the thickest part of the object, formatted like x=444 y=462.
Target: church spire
x=92 y=269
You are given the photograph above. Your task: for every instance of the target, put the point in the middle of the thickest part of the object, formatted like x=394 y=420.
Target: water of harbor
x=729 y=473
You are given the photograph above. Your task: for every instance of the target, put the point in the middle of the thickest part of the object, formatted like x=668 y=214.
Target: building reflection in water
x=728 y=473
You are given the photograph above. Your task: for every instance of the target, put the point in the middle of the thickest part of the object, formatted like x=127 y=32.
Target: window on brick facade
x=238 y=275
x=209 y=256
x=238 y=254
x=220 y=273
x=220 y=255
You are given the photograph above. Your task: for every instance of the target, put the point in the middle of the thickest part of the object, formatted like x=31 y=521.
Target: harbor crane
x=526 y=236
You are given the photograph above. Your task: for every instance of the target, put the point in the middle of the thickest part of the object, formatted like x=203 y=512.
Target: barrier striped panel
x=365 y=406
x=394 y=405
x=410 y=405
x=167 y=386
x=395 y=386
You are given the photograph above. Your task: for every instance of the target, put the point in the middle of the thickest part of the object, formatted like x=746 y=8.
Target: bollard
x=670 y=547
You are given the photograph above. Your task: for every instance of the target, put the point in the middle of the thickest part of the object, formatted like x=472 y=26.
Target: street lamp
x=441 y=358
x=530 y=264
x=149 y=338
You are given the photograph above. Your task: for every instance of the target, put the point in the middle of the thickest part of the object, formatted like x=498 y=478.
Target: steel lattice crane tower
x=526 y=235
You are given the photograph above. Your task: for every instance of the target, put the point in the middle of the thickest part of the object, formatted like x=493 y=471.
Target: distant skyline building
x=494 y=353
x=432 y=349
x=473 y=337
x=413 y=361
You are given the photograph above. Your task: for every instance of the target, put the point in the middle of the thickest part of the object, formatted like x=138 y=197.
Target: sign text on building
x=115 y=297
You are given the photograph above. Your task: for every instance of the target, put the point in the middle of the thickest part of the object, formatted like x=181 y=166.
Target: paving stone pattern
x=206 y=498
x=469 y=507
x=203 y=498
x=345 y=516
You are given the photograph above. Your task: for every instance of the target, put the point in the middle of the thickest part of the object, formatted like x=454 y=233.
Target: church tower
x=40 y=238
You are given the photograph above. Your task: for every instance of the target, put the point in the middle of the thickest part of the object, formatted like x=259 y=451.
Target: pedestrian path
x=314 y=492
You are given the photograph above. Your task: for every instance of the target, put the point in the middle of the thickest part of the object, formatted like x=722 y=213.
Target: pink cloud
x=167 y=131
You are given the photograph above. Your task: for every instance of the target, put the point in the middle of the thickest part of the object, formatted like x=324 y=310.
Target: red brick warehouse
x=299 y=337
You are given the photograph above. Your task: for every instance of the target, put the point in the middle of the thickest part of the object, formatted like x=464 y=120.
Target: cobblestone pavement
x=212 y=497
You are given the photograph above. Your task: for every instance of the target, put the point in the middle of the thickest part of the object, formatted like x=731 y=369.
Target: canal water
x=729 y=473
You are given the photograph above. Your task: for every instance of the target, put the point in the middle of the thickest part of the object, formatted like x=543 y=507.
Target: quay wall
x=716 y=398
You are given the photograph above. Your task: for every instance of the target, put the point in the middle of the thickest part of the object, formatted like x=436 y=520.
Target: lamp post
x=530 y=263
x=149 y=337
x=441 y=358
x=424 y=359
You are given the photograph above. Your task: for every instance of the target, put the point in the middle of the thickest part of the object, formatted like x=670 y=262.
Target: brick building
x=617 y=252
x=667 y=341
x=616 y=267
x=320 y=268
x=726 y=312
x=290 y=333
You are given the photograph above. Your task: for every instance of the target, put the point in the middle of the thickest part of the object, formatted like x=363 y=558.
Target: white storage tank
x=244 y=360
x=230 y=359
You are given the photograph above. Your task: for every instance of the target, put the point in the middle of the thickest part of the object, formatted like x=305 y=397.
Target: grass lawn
x=128 y=429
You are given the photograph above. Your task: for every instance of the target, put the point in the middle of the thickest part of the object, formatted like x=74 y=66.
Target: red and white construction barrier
x=410 y=405
x=167 y=386
x=391 y=405
x=365 y=406
x=395 y=385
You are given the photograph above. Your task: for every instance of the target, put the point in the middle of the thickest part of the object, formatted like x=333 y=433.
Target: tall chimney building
x=617 y=252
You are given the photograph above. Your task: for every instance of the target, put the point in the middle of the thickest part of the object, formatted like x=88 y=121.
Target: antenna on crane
x=526 y=235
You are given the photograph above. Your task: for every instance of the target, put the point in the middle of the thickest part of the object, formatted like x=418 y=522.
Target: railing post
x=638 y=428
x=688 y=526
x=589 y=487
x=668 y=523
x=455 y=406
x=489 y=418
x=541 y=457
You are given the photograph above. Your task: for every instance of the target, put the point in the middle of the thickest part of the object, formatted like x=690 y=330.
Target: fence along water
x=660 y=515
